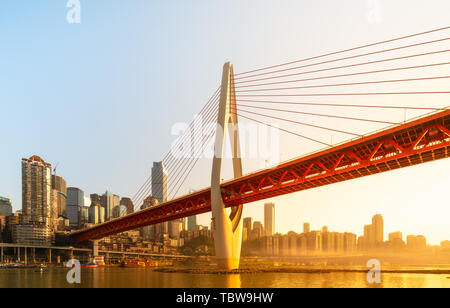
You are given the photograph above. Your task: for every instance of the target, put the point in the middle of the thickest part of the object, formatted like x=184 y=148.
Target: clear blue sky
x=100 y=97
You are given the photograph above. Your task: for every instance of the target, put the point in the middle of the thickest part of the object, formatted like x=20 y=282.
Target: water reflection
x=233 y=281
x=146 y=278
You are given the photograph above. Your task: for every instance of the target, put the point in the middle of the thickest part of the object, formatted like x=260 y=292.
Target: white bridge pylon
x=227 y=229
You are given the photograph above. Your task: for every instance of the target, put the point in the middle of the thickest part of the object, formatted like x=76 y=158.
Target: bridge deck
x=414 y=142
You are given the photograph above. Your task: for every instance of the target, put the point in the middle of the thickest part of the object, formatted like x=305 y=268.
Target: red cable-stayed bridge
x=267 y=95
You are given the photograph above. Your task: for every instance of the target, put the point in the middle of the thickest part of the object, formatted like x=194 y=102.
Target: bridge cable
x=347 y=84
x=176 y=164
x=346 y=75
x=167 y=159
x=281 y=129
x=347 y=94
x=197 y=153
x=171 y=166
x=169 y=162
x=341 y=105
x=345 y=58
x=347 y=66
x=318 y=114
x=343 y=51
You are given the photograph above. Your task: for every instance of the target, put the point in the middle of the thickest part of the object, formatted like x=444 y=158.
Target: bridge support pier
x=227 y=229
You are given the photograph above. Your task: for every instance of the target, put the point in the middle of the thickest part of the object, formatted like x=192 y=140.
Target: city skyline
x=267 y=207
x=372 y=235
x=109 y=139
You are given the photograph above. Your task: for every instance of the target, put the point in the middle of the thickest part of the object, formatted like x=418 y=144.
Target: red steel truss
x=418 y=141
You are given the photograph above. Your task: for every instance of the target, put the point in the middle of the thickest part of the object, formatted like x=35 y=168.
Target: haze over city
x=100 y=98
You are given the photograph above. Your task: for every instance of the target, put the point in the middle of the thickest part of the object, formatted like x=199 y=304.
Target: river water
x=146 y=278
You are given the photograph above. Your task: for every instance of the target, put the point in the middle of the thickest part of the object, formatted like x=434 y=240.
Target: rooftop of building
x=36 y=159
x=4 y=199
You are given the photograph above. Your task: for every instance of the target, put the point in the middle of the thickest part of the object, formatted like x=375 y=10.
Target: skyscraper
x=59 y=184
x=378 y=228
x=75 y=200
x=269 y=218
x=96 y=213
x=369 y=238
x=115 y=200
x=248 y=227
x=192 y=223
x=5 y=207
x=159 y=191
x=306 y=227
x=149 y=232
x=107 y=202
x=36 y=191
x=258 y=230
x=159 y=182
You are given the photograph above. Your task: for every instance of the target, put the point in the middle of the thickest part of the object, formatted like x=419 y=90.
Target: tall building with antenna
x=159 y=182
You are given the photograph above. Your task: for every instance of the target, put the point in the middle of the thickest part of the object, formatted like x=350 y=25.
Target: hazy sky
x=101 y=97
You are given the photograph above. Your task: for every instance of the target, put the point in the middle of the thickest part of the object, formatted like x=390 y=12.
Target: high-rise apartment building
x=36 y=191
x=328 y=241
x=373 y=234
x=247 y=227
x=349 y=242
x=369 y=238
x=35 y=221
x=395 y=236
x=269 y=218
x=417 y=243
x=258 y=230
x=339 y=242
x=314 y=241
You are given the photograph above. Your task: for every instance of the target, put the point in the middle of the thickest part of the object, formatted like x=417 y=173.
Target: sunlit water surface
x=146 y=278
